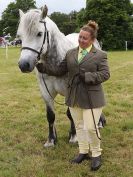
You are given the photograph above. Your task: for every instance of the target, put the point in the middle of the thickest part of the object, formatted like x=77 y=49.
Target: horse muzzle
x=26 y=66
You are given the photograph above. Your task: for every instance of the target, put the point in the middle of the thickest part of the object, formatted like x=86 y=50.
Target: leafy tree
x=81 y=18
x=65 y=22
x=114 y=18
x=10 y=17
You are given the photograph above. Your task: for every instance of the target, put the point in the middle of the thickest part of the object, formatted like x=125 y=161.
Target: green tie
x=84 y=52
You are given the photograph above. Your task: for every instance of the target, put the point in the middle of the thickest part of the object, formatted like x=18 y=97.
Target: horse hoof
x=49 y=144
x=73 y=139
x=100 y=125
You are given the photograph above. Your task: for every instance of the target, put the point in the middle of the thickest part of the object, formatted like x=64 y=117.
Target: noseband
x=46 y=35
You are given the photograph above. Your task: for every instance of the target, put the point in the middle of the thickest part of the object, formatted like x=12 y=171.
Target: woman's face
x=85 y=39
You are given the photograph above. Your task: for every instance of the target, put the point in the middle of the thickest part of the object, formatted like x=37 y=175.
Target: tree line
x=115 y=19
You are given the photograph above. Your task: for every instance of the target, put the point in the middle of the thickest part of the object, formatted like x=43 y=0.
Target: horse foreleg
x=52 y=138
x=72 y=132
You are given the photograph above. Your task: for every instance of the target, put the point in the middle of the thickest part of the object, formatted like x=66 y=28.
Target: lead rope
x=50 y=93
x=62 y=104
x=89 y=96
x=47 y=35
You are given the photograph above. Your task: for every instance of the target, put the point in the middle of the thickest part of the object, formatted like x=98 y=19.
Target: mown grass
x=23 y=125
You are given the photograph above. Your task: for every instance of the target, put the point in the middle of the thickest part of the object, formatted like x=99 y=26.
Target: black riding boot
x=96 y=163
x=80 y=158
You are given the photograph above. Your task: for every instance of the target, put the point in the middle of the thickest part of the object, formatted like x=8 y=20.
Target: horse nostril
x=27 y=65
x=24 y=66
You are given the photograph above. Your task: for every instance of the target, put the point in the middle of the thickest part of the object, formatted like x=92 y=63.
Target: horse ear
x=21 y=13
x=44 y=12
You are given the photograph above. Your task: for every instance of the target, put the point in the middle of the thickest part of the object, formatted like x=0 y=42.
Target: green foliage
x=10 y=17
x=81 y=16
x=114 y=18
x=65 y=22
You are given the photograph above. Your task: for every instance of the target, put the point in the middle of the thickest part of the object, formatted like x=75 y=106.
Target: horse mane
x=30 y=21
x=59 y=44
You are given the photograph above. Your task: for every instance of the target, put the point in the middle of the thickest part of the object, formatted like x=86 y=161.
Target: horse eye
x=39 y=34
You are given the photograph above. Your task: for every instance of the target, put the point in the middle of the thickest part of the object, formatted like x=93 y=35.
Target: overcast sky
x=65 y=6
x=53 y=5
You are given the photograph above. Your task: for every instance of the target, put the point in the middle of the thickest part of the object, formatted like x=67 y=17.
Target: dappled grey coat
x=88 y=94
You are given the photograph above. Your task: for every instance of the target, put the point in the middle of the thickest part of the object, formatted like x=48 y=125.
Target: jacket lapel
x=89 y=55
x=75 y=54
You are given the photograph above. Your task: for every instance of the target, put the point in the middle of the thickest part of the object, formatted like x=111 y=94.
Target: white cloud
x=53 y=5
x=62 y=5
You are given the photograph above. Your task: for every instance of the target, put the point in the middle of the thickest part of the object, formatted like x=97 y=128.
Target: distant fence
x=128 y=45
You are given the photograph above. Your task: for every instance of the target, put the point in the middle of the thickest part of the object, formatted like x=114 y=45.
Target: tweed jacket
x=89 y=93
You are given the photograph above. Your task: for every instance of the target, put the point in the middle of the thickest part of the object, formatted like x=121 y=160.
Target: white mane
x=61 y=42
x=29 y=22
x=58 y=42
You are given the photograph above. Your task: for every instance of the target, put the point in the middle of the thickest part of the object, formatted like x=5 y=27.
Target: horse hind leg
x=102 y=121
x=52 y=138
x=72 y=132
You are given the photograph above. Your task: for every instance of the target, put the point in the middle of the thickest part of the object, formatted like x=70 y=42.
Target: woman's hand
x=40 y=67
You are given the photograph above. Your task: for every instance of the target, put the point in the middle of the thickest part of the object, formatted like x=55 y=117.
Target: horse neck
x=59 y=44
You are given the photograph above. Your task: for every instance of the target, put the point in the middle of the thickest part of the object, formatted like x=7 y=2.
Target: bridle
x=46 y=36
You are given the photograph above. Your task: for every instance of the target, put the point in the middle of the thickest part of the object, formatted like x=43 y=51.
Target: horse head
x=41 y=37
x=33 y=33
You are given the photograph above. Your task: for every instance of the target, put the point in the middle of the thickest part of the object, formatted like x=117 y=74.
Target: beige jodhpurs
x=85 y=129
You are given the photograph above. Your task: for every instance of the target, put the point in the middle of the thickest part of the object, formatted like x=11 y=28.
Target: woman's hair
x=92 y=28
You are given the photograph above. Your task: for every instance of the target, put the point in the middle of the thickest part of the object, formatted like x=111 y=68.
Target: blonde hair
x=92 y=28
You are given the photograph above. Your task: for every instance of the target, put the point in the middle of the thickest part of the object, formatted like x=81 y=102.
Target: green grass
x=23 y=125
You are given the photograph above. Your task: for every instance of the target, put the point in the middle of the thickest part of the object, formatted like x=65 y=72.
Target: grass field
x=23 y=125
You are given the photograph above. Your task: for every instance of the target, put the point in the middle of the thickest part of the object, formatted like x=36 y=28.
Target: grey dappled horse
x=42 y=40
